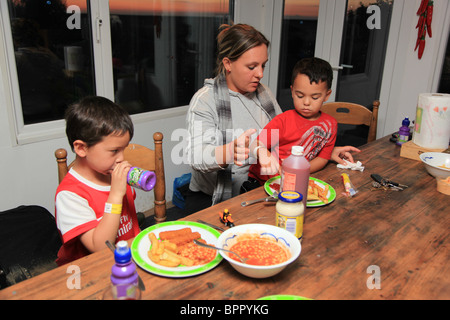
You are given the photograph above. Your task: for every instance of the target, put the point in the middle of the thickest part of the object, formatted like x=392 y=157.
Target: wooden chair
x=138 y=156
x=354 y=114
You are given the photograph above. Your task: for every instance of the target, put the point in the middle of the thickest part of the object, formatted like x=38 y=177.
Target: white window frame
x=22 y=134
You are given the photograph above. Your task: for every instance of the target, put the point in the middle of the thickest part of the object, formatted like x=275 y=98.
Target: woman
x=225 y=114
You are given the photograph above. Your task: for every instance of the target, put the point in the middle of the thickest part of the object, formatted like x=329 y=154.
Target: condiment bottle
x=290 y=212
x=295 y=173
x=123 y=271
x=404 y=132
x=142 y=179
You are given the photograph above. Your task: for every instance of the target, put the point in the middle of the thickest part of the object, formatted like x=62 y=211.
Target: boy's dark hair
x=93 y=118
x=316 y=69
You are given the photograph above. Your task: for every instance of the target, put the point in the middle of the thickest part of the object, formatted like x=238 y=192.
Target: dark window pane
x=298 y=41
x=162 y=52
x=444 y=84
x=54 y=63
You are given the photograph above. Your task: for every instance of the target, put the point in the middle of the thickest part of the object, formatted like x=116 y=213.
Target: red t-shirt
x=290 y=129
x=79 y=208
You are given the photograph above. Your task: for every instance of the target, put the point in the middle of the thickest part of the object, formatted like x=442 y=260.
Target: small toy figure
x=225 y=218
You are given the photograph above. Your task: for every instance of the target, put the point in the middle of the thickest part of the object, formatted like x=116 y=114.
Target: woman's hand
x=240 y=147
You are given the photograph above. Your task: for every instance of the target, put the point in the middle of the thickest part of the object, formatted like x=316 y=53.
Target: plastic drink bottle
x=123 y=271
x=142 y=179
x=403 y=133
x=295 y=173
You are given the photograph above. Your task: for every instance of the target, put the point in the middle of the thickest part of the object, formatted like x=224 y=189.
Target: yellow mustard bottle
x=290 y=212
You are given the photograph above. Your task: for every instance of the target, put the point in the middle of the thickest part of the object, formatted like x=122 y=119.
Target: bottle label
x=403 y=138
x=289 y=181
x=133 y=176
x=291 y=224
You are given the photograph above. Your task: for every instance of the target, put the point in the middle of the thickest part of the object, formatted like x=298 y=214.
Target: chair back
x=139 y=156
x=354 y=114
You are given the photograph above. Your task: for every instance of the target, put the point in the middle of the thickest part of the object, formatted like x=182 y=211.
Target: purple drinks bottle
x=142 y=179
x=403 y=133
x=123 y=271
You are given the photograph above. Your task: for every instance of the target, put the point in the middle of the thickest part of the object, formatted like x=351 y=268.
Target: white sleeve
x=72 y=211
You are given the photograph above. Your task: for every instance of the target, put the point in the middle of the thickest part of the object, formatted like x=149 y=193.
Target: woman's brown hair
x=233 y=41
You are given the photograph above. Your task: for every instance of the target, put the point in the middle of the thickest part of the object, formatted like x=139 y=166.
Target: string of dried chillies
x=425 y=14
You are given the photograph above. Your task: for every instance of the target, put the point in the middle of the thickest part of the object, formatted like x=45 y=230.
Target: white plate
x=141 y=245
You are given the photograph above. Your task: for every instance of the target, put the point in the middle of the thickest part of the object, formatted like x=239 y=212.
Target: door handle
x=342 y=66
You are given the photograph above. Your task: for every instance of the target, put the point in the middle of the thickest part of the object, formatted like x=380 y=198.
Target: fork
x=267 y=199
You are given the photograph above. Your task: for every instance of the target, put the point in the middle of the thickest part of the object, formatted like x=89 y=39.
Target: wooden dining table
x=378 y=244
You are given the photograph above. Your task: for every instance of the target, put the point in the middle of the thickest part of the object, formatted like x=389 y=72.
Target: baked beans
x=260 y=252
x=200 y=255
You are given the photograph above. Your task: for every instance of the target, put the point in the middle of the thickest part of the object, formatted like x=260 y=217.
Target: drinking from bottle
x=142 y=179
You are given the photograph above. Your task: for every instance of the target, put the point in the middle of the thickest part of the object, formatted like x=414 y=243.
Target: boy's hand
x=340 y=153
x=269 y=164
x=119 y=182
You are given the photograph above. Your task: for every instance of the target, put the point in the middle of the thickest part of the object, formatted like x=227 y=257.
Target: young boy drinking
x=94 y=202
x=305 y=125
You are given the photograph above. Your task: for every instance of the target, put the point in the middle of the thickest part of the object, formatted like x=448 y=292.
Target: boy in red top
x=94 y=202
x=304 y=126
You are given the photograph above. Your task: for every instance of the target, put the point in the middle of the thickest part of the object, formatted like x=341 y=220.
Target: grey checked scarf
x=223 y=189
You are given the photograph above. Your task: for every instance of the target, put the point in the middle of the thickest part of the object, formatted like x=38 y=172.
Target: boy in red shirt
x=304 y=126
x=94 y=203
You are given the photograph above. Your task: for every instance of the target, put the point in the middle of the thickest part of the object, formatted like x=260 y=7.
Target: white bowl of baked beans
x=268 y=249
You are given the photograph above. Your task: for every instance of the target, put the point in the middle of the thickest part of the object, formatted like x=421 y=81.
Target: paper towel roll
x=432 y=126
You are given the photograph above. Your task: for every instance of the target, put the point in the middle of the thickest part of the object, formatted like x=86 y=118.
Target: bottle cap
x=122 y=254
x=147 y=180
x=290 y=196
x=297 y=150
x=406 y=122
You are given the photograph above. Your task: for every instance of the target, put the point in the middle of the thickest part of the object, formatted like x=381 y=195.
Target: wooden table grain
x=402 y=236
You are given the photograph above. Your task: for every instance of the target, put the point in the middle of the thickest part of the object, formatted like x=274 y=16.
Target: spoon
x=113 y=249
x=243 y=260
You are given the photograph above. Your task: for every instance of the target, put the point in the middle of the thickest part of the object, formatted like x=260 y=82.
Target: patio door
x=352 y=35
x=342 y=32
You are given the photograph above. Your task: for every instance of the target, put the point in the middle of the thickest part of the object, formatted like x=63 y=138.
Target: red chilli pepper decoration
x=423 y=7
x=429 y=18
x=425 y=13
x=421 y=46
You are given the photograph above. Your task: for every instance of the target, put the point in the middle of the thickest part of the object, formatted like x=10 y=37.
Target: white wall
x=405 y=76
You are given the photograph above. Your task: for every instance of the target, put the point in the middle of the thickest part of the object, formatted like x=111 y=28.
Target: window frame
x=22 y=134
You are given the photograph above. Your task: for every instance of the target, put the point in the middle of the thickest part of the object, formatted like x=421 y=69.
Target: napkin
x=353 y=166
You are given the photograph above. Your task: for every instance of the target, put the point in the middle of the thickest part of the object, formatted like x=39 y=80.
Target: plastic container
x=123 y=271
x=290 y=212
x=295 y=173
x=404 y=132
x=141 y=179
